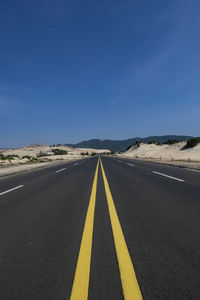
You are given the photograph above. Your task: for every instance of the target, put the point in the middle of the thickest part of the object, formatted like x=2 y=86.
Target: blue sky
x=72 y=70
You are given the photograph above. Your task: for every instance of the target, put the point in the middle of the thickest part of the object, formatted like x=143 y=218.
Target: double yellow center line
x=129 y=282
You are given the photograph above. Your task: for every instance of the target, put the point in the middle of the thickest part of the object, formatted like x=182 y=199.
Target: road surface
x=100 y=229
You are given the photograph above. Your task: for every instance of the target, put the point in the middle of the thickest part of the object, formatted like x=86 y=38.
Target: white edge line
x=178 y=179
x=131 y=165
x=60 y=170
x=15 y=188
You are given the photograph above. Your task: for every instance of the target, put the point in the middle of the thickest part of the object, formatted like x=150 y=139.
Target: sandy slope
x=18 y=164
x=165 y=152
x=175 y=154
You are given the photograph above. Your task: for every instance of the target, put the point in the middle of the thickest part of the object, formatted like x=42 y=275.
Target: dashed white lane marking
x=60 y=170
x=15 y=188
x=131 y=165
x=76 y=164
x=119 y=161
x=178 y=179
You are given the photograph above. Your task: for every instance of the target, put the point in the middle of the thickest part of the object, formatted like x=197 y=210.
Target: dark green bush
x=171 y=142
x=129 y=147
x=41 y=154
x=33 y=159
x=3 y=157
x=192 y=142
x=8 y=157
x=93 y=154
x=137 y=144
x=59 y=152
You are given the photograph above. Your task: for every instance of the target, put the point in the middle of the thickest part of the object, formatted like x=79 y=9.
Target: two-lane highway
x=107 y=229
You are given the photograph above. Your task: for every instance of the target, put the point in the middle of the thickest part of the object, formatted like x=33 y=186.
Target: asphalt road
x=122 y=229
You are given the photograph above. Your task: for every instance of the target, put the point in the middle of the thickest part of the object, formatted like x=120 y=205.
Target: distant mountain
x=122 y=145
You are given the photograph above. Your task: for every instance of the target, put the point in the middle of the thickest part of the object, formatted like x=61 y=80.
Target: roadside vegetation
x=171 y=142
x=30 y=158
x=8 y=157
x=191 y=143
x=84 y=153
x=137 y=145
x=93 y=154
x=42 y=154
x=59 y=152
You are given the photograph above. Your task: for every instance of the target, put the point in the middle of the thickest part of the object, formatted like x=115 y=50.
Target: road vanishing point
x=100 y=228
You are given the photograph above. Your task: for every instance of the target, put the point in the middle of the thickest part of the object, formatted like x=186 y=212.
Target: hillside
x=43 y=153
x=122 y=145
x=166 y=152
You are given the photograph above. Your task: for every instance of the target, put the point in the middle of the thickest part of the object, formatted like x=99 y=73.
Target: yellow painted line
x=82 y=273
x=129 y=281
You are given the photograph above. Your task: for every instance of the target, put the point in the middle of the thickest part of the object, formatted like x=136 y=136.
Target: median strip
x=10 y=190
x=82 y=273
x=129 y=281
x=171 y=177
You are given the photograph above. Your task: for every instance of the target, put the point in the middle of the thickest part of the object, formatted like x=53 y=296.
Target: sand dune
x=165 y=152
x=44 y=153
x=175 y=154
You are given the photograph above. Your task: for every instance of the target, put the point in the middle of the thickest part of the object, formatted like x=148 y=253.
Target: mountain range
x=122 y=145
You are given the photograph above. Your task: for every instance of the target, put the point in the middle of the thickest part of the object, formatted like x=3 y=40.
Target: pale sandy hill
x=43 y=153
x=174 y=152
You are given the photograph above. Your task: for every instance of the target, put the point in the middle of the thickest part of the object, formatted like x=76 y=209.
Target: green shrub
x=8 y=157
x=41 y=154
x=33 y=159
x=59 y=152
x=137 y=144
x=3 y=157
x=192 y=142
x=129 y=147
x=93 y=154
x=171 y=142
